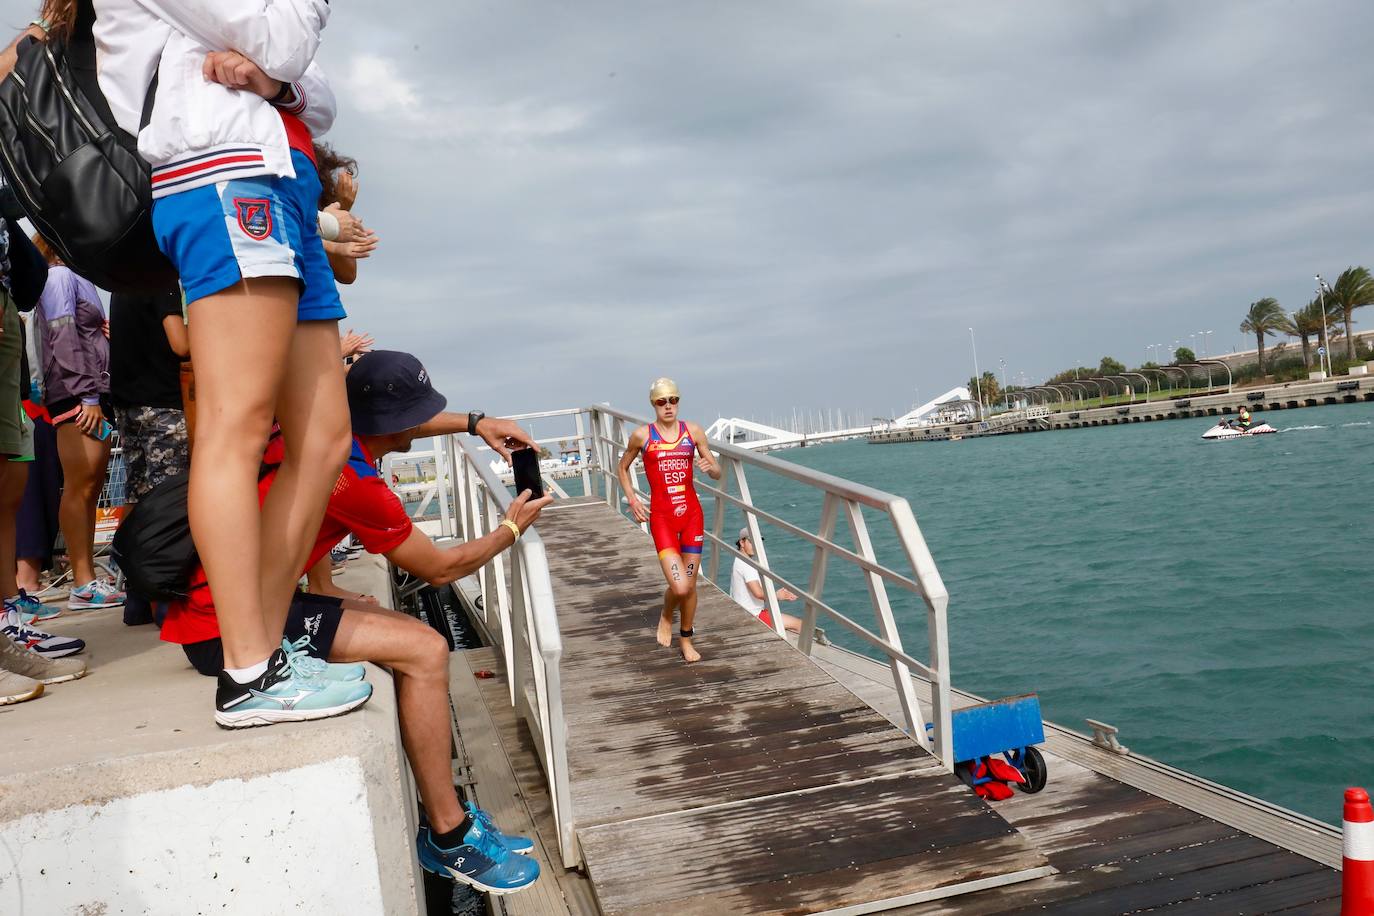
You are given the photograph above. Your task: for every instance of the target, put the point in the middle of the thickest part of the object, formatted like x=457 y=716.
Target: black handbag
x=153 y=545
x=77 y=175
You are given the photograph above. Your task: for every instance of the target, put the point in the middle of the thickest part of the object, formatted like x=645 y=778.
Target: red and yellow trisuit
x=675 y=519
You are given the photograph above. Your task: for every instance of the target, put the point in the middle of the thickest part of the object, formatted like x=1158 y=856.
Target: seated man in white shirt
x=746 y=588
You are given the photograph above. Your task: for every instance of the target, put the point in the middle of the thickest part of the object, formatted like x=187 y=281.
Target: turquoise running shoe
x=479 y=861
x=35 y=610
x=283 y=693
x=319 y=669
x=520 y=845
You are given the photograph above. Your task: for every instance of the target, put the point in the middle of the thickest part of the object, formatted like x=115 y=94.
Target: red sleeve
x=372 y=512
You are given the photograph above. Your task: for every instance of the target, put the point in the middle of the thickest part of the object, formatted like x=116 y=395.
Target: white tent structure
x=955 y=406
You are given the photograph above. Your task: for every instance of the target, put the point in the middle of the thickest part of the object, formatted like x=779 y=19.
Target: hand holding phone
x=525 y=464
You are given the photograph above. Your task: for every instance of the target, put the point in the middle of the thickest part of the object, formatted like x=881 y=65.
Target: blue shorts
x=263 y=226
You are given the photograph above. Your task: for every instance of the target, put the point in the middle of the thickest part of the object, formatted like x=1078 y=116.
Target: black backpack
x=78 y=176
x=153 y=545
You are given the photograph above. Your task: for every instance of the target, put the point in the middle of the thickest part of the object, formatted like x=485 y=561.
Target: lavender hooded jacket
x=72 y=344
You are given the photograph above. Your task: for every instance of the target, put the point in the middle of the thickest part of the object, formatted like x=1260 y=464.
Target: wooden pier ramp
x=751 y=781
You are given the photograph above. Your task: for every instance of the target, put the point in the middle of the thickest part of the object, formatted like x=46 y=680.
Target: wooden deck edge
x=951 y=890
x=1272 y=823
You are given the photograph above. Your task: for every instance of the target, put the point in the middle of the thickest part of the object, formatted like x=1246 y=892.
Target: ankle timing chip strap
x=687 y=633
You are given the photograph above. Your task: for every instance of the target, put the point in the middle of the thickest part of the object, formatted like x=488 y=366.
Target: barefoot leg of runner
x=675 y=596
x=688 y=603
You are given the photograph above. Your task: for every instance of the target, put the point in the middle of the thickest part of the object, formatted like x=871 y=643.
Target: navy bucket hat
x=389 y=392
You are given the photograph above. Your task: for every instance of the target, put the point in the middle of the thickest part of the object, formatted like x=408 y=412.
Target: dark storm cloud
x=809 y=203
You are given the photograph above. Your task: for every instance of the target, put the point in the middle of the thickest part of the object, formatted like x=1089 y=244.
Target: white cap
x=743 y=533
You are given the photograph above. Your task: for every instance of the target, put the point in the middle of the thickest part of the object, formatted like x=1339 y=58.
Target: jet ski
x=1228 y=429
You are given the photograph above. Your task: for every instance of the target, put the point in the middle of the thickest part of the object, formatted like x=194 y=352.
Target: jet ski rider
x=1243 y=420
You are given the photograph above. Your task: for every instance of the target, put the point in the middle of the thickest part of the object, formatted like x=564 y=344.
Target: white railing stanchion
x=830 y=515
x=887 y=626
x=582 y=454
x=937 y=624
x=718 y=530
x=751 y=521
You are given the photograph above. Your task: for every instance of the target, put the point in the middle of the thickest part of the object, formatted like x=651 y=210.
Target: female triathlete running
x=674 y=514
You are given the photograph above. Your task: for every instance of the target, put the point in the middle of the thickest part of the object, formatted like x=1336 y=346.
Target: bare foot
x=665 y=631
x=689 y=654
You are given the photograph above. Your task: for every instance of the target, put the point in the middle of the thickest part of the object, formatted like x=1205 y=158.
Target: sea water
x=1213 y=600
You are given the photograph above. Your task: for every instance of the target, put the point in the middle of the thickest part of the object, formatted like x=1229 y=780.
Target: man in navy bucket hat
x=393 y=402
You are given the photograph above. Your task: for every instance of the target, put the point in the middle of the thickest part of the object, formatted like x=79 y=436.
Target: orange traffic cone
x=1357 y=866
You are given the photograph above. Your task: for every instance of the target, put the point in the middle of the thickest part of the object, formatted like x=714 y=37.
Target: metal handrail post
x=443 y=479
x=520 y=654
x=937 y=625
x=582 y=454
x=887 y=627
x=830 y=513
x=608 y=474
x=717 y=529
x=770 y=591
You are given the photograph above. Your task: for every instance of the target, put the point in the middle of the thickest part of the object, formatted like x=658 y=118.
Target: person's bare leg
x=418 y=659
x=29 y=575
x=664 y=635
x=240 y=339
x=673 y=571
x=312 y=410
x=688 y=603
x=13 y=476
x=83 y=472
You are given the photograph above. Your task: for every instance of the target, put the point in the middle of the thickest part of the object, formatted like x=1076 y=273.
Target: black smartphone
x=525 y=463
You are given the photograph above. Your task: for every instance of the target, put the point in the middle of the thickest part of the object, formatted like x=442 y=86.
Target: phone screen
x=525 y=464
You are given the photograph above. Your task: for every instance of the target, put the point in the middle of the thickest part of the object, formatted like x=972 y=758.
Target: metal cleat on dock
x=1104 y=736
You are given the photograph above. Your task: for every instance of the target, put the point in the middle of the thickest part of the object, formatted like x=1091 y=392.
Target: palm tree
x=1353 y=288
x=1305 y=324
x=1264 y=319
x=985 y=386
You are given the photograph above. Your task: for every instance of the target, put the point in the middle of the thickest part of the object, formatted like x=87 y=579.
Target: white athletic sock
x=251 y=673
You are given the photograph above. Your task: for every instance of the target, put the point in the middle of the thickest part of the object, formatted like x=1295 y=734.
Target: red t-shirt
x=360 y=505
x=298 y=135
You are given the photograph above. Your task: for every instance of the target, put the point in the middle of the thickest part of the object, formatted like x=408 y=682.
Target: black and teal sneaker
x=480 y=861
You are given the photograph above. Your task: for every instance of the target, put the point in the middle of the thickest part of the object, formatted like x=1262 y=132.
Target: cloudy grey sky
x=807 y=204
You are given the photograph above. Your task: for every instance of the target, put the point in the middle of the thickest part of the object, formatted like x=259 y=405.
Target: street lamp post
x=977 y=376
x=1006 y=398
x=1322 y=290
x=1203 y=335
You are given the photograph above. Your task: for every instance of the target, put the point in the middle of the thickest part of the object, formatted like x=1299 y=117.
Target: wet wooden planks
x=750 y=781
x=1119 y=849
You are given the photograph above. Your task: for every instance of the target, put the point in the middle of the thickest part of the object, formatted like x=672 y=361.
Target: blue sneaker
x=520 y=845
x=317 y=668
x=480 y=861
x=35 y=610
x=284 y=694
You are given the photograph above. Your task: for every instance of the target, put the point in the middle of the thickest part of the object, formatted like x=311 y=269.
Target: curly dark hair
x=328 y=163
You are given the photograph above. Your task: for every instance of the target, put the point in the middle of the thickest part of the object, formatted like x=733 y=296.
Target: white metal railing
x=517 y=609
x=610 y=430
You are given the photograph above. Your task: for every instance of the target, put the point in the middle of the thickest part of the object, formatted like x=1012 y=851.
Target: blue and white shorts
x=263 y=226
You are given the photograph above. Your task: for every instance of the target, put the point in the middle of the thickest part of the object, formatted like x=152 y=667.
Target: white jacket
x=201 y=132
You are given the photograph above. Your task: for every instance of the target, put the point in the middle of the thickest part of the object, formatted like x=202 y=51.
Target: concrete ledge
x=122 y=795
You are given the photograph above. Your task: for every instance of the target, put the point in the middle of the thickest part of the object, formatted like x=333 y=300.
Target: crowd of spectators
x=256 y=215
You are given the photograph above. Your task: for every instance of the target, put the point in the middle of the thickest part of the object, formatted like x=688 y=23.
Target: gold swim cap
x=662 y=388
